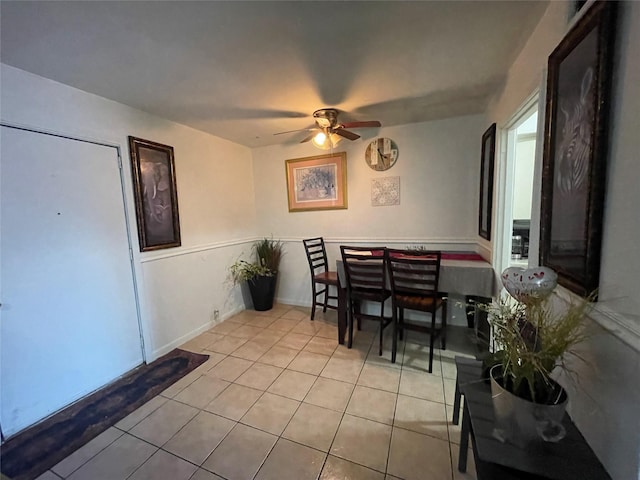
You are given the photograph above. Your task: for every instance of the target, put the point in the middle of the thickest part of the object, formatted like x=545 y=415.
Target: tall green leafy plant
x=269 y=253
x=532 y=340
x=243 y=271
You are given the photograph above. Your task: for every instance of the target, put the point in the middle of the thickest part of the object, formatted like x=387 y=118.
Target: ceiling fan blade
x=298 y=130
x=346 y=134
x=308 y=137
x=371 y=123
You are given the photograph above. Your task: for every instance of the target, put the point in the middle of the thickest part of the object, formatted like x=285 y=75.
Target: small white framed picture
x=385 y=191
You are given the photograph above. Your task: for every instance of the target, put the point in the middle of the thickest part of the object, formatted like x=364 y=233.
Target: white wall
x=178 y=288
x=529 y=68
x=438 y=166
x=604 y=404
x=620 y=260
x=523 y=178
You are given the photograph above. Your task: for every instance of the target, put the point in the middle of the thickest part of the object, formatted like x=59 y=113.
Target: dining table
x=466 y=274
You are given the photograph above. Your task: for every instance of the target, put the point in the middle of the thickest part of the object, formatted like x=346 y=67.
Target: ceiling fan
x=327 y=132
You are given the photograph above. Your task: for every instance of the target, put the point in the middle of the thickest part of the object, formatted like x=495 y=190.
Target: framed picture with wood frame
x=317 y=183
x=575 y=150
x=155 y=195
x=486 y=182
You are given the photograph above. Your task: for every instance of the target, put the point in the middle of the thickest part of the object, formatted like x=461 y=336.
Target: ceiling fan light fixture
x=319 y=139
x=324 y=141
x=329 y=131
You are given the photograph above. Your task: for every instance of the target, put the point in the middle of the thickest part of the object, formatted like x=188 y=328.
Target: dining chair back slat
x=413 y=278
x=416 y=274
x=320 y=275
x=365 y=273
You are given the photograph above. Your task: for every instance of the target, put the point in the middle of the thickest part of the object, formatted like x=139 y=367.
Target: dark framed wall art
x=575 y=150
x=486 y=182
x=155 y=194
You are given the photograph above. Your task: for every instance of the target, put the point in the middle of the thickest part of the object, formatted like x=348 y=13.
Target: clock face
x=381 y=154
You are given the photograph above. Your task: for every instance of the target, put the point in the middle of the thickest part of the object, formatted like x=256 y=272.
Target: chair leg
x=326 y=298
x=401 y=323
x=432 y=341
x=313 y=297
x=394 y=344
x=443 y=339
x=350 y=314
x=381 y=326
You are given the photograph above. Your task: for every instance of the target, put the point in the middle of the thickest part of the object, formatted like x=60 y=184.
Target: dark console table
x=570 y=458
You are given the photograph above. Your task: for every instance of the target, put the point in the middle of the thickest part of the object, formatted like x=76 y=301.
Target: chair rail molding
x=620 y=325
x=196 y=249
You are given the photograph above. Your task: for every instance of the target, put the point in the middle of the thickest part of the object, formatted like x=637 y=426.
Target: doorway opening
x=516 y=241
x=524 y=162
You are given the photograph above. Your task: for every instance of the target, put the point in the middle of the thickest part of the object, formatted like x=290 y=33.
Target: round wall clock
x=381 y=154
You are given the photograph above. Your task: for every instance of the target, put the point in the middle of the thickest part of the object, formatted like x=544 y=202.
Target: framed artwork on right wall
x=486 y=182
x=575 y=150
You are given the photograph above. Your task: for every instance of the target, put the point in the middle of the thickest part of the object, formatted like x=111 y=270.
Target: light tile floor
x=280 y=399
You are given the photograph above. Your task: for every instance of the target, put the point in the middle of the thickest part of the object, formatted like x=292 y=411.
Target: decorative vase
x=521 y=421
x=263 y=291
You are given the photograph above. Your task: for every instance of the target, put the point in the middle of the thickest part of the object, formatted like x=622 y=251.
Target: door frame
x=505 y=178
x=127 y=216
x=118 y=151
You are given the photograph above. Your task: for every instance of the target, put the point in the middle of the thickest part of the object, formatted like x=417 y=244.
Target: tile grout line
x=285 y=427
x=335 y=354
x=344 y=412
x=446 y=413
x=239 y=420
x=395 y=410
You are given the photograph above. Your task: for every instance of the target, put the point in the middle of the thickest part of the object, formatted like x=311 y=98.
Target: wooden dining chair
x=320 y=275
x=365 y=274
x=413 y=278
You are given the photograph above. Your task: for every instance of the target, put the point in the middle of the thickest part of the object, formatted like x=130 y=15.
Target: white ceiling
x=246 y=70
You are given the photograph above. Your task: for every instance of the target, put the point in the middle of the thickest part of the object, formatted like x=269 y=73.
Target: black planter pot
x=263 y=291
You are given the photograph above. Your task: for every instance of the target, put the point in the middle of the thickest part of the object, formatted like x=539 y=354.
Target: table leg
x=477 y=319
x=342 y=313
x=456 y=404
x=469 y=301
x=482 y=327
x=464 y=439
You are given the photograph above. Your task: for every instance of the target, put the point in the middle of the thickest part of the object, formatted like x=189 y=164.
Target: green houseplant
x=532 y=338
x=269 y=253
x=261 y=274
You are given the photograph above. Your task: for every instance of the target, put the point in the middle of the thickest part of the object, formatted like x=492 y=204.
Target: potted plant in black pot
x=532 y=338
x=261 y=275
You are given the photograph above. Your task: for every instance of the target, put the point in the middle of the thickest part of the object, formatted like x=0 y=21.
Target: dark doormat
x=37 y=449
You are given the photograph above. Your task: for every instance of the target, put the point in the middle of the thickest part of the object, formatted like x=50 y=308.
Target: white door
x=69 y=320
